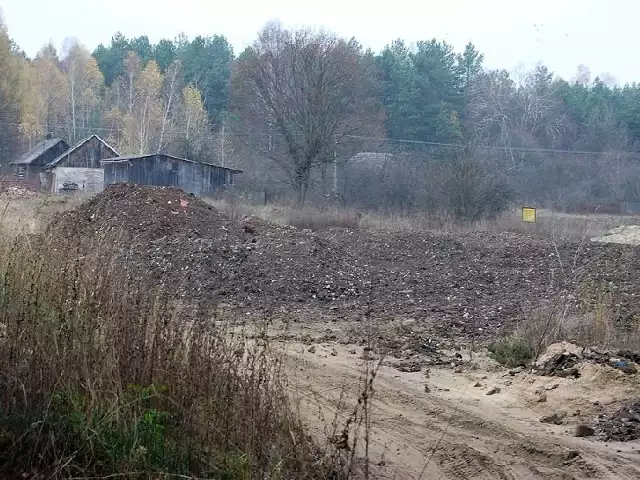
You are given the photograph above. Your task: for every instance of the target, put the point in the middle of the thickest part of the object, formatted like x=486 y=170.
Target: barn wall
x=88 y=155
x=30 y=173
x=89 y=180
x=163 y=171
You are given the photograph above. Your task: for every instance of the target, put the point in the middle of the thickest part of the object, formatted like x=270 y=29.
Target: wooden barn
x=79 y=167
x=164 y=170
x=29 y=167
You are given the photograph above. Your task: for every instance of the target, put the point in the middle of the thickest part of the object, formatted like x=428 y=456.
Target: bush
x=475 y=191
x=511 y=351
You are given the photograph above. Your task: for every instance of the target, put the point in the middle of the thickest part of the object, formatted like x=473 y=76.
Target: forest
x=444 y=132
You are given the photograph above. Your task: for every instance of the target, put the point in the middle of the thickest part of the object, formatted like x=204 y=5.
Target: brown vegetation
x=101 y=374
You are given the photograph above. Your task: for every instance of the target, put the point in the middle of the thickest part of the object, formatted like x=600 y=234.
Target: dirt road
x=456 y=431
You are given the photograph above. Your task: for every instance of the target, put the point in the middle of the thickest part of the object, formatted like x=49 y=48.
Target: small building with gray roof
x=79 y=167
x=162 y=170
x=29 y=167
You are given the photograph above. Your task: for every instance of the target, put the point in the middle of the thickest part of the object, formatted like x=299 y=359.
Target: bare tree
x=305 y=92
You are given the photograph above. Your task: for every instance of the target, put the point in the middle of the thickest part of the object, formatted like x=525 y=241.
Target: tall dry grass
x=591 y=317
x=102 y=375
x=550 y=224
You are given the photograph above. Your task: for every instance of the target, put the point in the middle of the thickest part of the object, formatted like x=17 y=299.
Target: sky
x=512 y=34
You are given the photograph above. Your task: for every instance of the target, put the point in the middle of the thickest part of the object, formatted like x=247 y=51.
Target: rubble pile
x=474 y=283
x=562 y=360
x=623 y=425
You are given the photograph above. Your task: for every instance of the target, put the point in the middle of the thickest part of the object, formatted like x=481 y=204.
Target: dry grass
x=596 y=323
x=99 y=376
x=558 y=225
x=28 y=215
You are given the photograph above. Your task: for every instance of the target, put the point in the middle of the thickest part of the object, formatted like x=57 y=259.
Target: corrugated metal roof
x=78 y=145
x=38 y=150
x=129 y=158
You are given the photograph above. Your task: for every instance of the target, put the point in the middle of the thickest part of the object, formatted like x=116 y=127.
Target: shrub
x=511 y=351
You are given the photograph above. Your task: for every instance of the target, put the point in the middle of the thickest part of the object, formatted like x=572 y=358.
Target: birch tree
x=170 y=93
x=53 y=93
x=147 y=108
x=195 y=123
x=85 y=81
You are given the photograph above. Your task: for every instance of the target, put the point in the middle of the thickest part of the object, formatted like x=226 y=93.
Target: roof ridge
x=57 y=160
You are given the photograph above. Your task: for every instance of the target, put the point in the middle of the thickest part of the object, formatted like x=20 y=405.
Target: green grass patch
x=511 y=351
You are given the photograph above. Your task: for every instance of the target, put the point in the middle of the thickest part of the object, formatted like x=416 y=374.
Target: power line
x=493 y=147
x=394 y=140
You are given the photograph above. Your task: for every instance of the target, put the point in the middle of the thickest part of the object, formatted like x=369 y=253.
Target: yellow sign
x=528 y=215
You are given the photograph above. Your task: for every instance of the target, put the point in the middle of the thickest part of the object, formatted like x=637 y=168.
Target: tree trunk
x=301 y=185
x=302 y=195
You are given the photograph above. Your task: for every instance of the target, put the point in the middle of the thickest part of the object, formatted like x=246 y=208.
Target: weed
x=101 y=376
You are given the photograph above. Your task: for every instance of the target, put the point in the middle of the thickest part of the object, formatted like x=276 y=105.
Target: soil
x=418 y=302
x=435 y=423
x=455 y=285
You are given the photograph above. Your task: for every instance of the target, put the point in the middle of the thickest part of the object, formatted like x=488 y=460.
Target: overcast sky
x=559 y=33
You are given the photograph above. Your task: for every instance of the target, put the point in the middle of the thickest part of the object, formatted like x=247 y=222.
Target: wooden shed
x=79 y=167
x=30 y=166
x=164 y=170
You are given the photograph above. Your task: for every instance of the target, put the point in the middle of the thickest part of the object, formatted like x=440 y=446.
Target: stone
x=556 y=418
x=493 y=391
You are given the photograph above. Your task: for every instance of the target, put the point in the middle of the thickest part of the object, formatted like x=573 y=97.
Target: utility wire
x=397 y=141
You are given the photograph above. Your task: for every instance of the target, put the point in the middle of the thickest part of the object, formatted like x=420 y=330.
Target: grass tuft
x=512 y=351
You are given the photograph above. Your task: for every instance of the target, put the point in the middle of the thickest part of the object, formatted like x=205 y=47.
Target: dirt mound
x=454 y=285
x=126 y=212
x=623 y=425
x=168 y=239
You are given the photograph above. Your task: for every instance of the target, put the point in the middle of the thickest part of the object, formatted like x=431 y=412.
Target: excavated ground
x=456 y=285
x=423 y=295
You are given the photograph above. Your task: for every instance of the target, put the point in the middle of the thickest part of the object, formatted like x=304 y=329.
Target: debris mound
x=12 y=192
x=623 y=425
x=126 y=212
x=177 y=243
x=451 y=285
x=562 y=360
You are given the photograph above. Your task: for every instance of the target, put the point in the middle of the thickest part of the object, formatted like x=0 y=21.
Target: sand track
x=457 y=434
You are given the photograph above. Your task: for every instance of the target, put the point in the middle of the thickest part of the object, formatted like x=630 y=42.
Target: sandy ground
x=456 y=430
x=627 y=234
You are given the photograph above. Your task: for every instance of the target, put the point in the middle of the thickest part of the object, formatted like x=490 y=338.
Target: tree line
x=294 y=107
